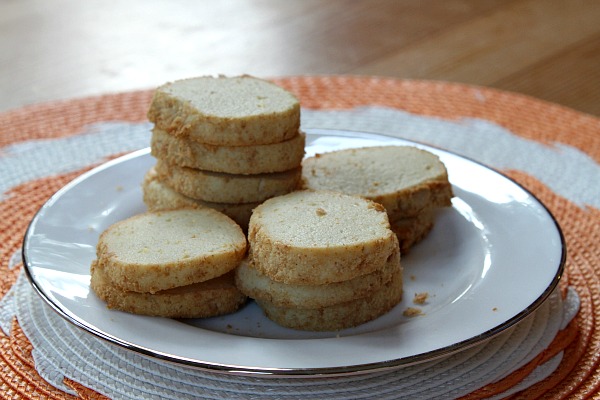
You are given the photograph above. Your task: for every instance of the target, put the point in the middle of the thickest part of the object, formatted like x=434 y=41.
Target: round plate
x=491 y=259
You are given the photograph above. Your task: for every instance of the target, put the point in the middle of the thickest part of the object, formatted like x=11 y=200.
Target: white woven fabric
x=62 y=350
x=35 y=159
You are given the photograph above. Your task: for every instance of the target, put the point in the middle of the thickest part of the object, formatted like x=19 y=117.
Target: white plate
x=490 y=260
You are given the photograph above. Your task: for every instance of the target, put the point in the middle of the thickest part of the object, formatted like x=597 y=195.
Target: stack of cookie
x=175 y=263
x=225 y=143
x=409 y=182
x=321 y=261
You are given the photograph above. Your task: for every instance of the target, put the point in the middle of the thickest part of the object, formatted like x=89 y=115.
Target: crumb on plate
x=412 y=312
x=420 y=298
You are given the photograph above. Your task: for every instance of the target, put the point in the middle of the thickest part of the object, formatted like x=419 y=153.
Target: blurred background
x=60 y=49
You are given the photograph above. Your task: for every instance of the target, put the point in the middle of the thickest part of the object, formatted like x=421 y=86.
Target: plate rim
x=278 y=372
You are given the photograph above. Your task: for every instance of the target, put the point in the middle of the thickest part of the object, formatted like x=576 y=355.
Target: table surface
x=67 y=48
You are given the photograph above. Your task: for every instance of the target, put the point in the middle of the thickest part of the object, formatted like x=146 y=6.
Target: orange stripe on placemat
x=19 y=378
x=566 y=379
x=560 y=342
x=69 y=117
x=577 y=376
x=522 y=115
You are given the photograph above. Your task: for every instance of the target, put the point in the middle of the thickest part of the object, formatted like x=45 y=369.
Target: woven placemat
x=576 y=376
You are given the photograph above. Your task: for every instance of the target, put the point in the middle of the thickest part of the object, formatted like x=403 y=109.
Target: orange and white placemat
x=551 y=150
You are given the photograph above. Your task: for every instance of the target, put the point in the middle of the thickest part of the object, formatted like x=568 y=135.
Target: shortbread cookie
x=404 y=179
x=339 y=316
x=253 y=159
x=161 y=250
x=229 y=111
x=315 y=238
x=218 y=187
x=412 y=230
x=258 y=286
x=211 y=298
x=158 y=196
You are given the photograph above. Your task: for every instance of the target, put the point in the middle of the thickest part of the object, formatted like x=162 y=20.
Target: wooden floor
x=70 y=48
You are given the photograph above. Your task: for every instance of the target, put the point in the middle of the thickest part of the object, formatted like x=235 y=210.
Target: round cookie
x=260 y=287
x=412 y=230
x=158 y=196
x=218 y=187
x=253 y=159
x=339 y=316
x=315 y=238
x=229 y=111
x=161 y=250
x=404 y=179
x=217 y=296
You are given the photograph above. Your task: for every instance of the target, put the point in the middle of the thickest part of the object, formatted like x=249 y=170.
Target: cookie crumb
x=420 y=298
x=412 y=312
x=321 y=212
